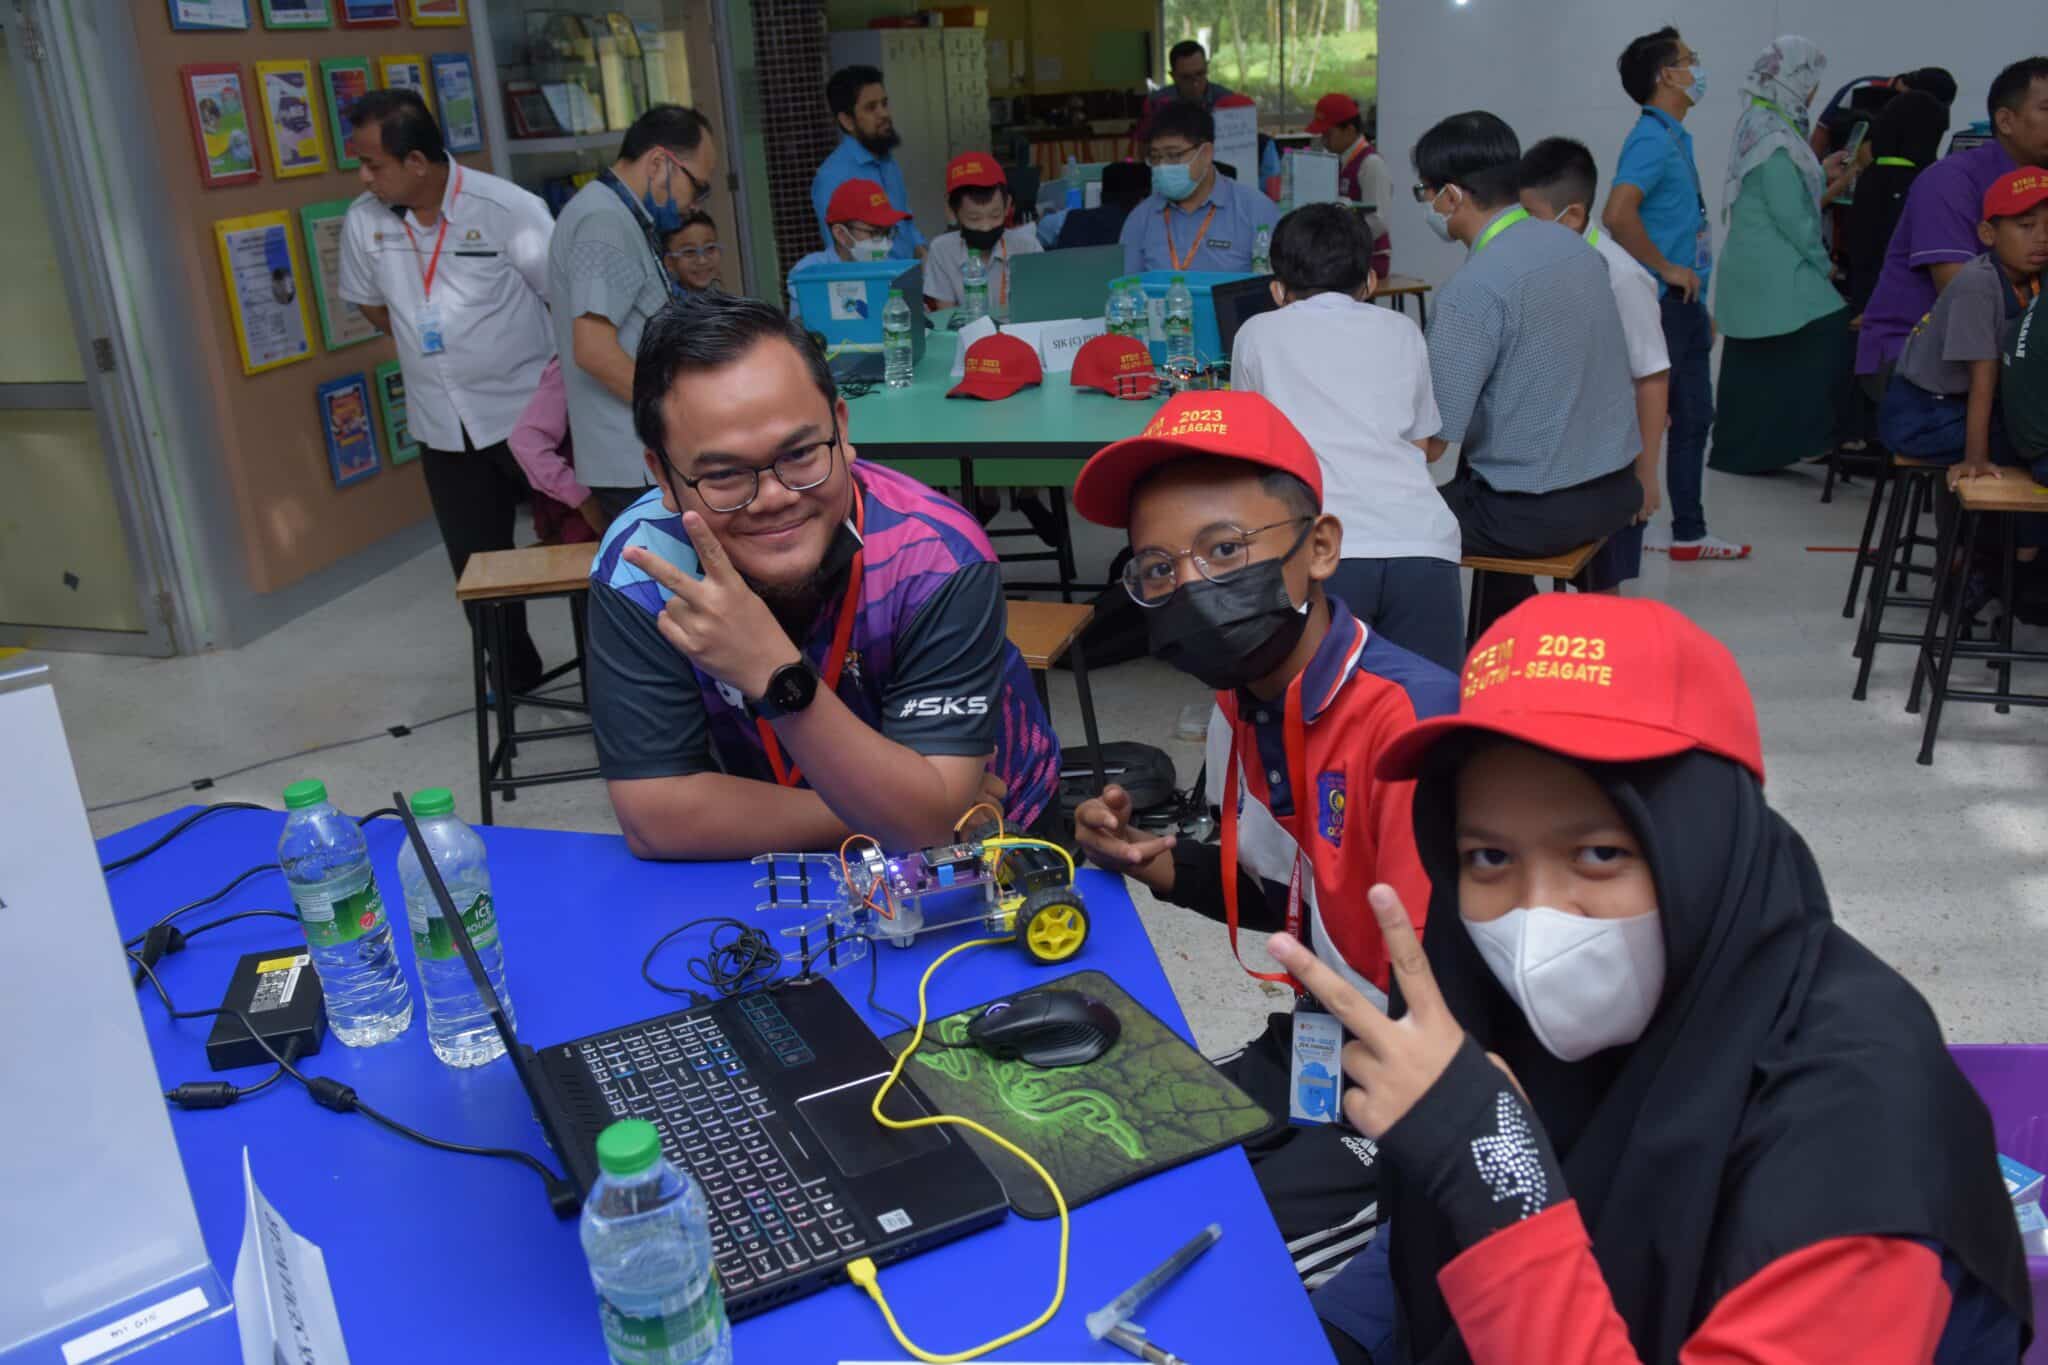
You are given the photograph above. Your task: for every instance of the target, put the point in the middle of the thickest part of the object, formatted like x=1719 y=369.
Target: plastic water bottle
x=458 y=1025
x=897 y=359
x=327 y=863
x=1262 y=252
x=1141 y=311
x=974 y=287
x=646 y=1233
x=1114 y=321
x=1076 y=191
x=1180 y=324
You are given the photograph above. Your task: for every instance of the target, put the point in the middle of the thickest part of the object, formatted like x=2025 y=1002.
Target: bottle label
x=329 y=920
x=686 y=1334
x=432 y=939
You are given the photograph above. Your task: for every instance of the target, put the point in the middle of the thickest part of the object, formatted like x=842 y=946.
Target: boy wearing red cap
x=1362 y=175
x=1941 y=403
x=978 y=196
x=862 y=222
x=1230 y=551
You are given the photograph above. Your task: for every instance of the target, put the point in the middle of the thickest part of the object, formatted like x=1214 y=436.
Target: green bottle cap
x=895 y=293
x=432 y=801
x=1180 y=279
x=310 y=792
x=628 y=1147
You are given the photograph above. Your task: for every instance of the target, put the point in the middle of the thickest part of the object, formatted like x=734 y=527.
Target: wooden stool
x=1042 y=633
x=1396 y=290
x=1563 y=568
x=1906 y=493
x=491 y=581
x=2008 y=498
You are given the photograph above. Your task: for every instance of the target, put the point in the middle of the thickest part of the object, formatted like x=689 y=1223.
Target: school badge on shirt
x=1330 y=802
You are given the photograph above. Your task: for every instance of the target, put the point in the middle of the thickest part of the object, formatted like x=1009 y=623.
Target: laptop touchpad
x=844 y=1122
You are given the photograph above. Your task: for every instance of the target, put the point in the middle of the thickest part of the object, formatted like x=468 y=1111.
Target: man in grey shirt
x=606 y=279
x=1529 y=364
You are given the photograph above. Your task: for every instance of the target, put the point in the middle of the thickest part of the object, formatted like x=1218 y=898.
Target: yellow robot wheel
x=1052 y=924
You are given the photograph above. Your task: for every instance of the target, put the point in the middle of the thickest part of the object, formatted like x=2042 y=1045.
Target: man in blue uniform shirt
x=1195 y=219
x=866 y=151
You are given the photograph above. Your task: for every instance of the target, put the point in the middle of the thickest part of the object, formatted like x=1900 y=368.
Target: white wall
x=1547 y=67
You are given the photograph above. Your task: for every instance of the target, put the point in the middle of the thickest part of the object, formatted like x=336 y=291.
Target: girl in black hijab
x=1641 y=1098
x=1905 y=139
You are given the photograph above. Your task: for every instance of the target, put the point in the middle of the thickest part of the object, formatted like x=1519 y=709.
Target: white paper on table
x=1060 y=341
x=1026 y=332
x=284 y=1305
x=1091 y=195
x=1237 y=140
x=1315 y=177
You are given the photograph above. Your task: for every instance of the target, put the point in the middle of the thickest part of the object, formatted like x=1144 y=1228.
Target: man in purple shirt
x=1937 y=232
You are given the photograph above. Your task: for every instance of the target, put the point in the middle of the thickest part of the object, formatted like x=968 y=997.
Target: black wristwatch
x=790 y=689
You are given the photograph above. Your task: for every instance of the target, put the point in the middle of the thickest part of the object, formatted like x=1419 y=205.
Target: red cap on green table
x=2015 y=192
x=1603 y=679
x=1332 y=110
x=1120 y=366
x=997 y=366
x=1225 y=425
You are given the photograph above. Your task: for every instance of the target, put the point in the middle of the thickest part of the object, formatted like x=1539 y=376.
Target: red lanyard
x=1003 y=292
x=842 y=636
x=1200 y=233
x=1292 y=729
x=2028 y=296
x=434 y=261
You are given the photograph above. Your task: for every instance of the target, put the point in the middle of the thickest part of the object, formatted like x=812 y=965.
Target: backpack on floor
x=1146 y=773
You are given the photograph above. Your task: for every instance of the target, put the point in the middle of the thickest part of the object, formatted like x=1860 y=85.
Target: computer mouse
x=1046 y=1028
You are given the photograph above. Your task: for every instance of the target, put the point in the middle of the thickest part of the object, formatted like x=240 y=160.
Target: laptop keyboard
x=774 y=1211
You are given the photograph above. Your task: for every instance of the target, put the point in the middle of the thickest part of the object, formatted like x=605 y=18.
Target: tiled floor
x=1940 y=870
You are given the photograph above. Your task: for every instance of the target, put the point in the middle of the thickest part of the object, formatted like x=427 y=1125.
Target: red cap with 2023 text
x=974 y=170
x=2015 y=192
x=1332 y=110
x=862 y=201
x=1602 y=679
x=1120 y=366
x=1226 y=425
x=997 y=366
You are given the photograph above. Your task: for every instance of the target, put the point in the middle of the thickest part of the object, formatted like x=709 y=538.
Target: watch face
x=791 y=688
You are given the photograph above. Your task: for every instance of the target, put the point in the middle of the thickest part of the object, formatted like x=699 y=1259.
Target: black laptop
x=765 y=1099
x=1238 y=302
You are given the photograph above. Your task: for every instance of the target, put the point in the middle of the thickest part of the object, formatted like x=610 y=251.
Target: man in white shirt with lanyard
x=453 y=263
x=1195 y=219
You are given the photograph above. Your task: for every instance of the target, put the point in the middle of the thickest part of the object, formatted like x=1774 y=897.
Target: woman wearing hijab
x=1786 y=369
x=1646 y=1100
x=1905 y=139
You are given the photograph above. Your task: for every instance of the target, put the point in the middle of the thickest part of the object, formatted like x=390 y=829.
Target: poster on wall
x=219 y=114
x=261 y=267
x=406 y=72
x=341 y=322
x=368 y=13
x=1237 y=137
x=298 y=145
x=194 y=14
x=345 y=421
x=296 y=14
x=455 y=93
x=389 y=379
x=436 y=13
x=343 y=80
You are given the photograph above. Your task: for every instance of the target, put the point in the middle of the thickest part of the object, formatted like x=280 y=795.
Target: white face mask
x=1439 y=223
x=871 y=249
x=1584 y=984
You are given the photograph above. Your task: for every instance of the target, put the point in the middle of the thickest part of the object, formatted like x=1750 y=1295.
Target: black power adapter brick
x=280 y=992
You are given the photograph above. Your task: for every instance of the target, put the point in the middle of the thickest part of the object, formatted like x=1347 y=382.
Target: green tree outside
x=1322 y=45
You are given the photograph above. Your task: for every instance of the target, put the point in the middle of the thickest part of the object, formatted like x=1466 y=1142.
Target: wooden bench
x=1396 y=290
x=2009 y=497
x=492 y=581
x=1044 y=633
x=1562 y=567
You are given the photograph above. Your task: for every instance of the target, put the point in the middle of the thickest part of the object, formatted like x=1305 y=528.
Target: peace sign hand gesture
x=717 y=622
x=1456 y=1126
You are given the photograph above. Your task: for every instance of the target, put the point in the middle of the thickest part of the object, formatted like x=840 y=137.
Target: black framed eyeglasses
x=735 y=487
x=1423 y=193
x=1180 y=158
x=699 y=190
x=1153 y=576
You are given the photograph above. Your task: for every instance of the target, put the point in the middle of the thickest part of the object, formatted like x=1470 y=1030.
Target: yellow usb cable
x=862 y=1271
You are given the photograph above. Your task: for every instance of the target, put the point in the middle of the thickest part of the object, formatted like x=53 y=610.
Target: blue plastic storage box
x=1208 y=339
x=842 y=301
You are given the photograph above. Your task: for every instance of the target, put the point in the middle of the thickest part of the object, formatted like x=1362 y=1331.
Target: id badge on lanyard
x=428 y=322
x=427 y=318
x=1315 y=1067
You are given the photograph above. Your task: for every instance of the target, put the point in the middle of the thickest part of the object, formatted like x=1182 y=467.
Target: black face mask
x=1228 y=634
x=981 y=239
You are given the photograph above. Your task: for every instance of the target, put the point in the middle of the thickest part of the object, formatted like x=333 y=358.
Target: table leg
x=1068 y=573
x=967 y=493
x=501 y=683
x=1472 y=612
x=1944 y=575
x=1088 y=713
x=1968 y=535
x=483 y=709
x=1422 y=307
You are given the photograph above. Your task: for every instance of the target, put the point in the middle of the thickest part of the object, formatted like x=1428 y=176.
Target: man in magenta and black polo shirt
x=788 y=645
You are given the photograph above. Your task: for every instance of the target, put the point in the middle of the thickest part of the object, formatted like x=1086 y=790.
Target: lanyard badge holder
x=427 y=319
x=1315 y=1070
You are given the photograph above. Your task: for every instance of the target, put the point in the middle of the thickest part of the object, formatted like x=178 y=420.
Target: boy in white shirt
x=1354 y=380
x=978 y=195
x=1558 y=180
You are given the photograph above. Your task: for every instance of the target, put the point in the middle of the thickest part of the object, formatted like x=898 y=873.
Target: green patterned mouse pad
x=1151 y=1102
